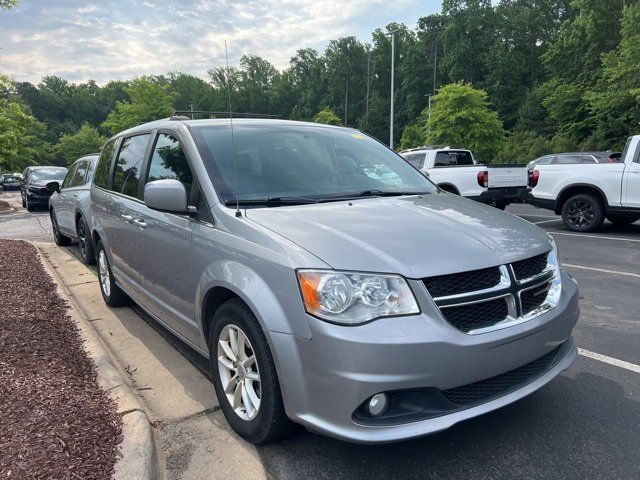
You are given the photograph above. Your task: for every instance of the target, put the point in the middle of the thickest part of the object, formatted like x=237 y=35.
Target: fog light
x=378 y=404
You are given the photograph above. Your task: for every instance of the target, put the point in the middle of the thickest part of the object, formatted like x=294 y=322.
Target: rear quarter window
x=101 y=177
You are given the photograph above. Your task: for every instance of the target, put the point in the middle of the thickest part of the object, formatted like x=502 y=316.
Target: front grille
x=464 y=282
x=502 y=384
x=530 y=267
x=476 y=315
x=533 y=298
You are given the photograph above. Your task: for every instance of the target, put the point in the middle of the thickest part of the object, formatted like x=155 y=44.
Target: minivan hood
x=416 y=236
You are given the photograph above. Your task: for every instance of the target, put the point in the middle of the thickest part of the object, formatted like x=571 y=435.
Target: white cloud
x=121 y=39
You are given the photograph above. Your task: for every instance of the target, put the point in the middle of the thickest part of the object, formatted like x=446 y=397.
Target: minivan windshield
x=48 y=174
x=284 y=163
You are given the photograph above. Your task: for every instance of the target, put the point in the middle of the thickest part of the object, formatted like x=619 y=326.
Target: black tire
x=60 y=239
x=271 y=422
x=115 y=297
x=30 y=206
x=583 y=213
x=85 y=244
x=449 y=189
x=623 y=220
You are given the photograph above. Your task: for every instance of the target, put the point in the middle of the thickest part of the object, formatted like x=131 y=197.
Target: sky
x=118 y=40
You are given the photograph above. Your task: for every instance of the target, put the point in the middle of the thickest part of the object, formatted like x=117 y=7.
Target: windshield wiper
x=271 y=201
x=370 y=193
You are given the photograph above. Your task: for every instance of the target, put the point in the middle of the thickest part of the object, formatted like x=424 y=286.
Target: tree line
x=513 y=80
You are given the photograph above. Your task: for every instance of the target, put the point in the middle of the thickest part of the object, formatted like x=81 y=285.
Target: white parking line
x=610 y=360
x=596 y=236
x=547 y=221
x=602 y=270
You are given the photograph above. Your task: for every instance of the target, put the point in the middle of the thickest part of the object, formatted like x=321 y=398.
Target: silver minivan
x=368 y=306
x=70 y=207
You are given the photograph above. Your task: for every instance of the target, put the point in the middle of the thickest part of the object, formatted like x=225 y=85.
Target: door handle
x=127 y=218
x=140 y=223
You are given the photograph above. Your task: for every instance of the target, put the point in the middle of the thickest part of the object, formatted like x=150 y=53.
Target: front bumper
x=325 y=379
x=38 y=199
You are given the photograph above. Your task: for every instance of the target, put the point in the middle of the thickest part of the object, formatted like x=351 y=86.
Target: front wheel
x=244 y=375
x=583 y=213
x=111 y=293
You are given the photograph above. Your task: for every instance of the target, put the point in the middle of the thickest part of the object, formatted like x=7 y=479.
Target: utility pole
x=366 y=107
x=393 y=59
x=435 y=64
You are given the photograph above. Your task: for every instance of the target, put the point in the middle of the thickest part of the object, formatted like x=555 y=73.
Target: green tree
x=8 y=4
x=327 y=117
x=85 y=141
x=460 y=116
x=412 y=136
x=614 y=102
x=149 y=100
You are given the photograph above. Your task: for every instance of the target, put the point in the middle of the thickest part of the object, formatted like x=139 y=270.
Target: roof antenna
x=233 y=141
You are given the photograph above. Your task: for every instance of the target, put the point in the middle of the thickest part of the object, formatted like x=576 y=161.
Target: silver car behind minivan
x=329 y=282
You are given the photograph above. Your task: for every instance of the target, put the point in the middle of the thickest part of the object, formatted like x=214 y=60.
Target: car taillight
x=483 y=178
x=533 y=178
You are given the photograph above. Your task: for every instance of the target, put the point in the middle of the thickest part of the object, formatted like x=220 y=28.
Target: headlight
x=553 y=262
x=351 y=298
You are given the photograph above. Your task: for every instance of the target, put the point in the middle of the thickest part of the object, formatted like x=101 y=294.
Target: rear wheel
x=111 y=293
x=244 y=375
x=84 y=242
x=59 y=238
x=583 y=213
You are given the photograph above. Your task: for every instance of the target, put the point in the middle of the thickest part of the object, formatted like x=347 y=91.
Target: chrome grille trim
x=509 y=288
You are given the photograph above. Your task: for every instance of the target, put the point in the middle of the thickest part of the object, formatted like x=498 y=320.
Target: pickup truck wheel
x=623 y=220
x=244 y=375
x=583 y=213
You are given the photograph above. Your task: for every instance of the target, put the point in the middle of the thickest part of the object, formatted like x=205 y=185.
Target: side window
x=453 y=158
x=101 y=177
x=169 y=161
x=588 y=159
x=79 y=174
x=67 y=180
x=569 y=159
x=415 y=159
x=126 y=174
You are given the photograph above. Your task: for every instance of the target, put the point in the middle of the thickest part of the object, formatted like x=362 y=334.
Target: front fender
x=270 y=309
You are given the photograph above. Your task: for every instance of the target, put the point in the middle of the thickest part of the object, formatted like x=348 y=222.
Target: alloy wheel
x=580 y=213
x=239 y=373
x=103 y=273
x=82 y=237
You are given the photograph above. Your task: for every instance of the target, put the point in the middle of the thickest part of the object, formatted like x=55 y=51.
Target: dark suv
x=33 y=188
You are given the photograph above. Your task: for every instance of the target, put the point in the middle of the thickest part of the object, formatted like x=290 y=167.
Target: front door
x=63 y=204
x=166 y=258
x=631 y=180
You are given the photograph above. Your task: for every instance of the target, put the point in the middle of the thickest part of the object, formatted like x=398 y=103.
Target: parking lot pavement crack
x=203 y=413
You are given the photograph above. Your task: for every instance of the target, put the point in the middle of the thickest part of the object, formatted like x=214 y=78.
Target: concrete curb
x=140 y=458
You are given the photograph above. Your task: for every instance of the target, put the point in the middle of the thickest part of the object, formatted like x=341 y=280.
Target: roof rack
x=424 y=147
x=190 y=115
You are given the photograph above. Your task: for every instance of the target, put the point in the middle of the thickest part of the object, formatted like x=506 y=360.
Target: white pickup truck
x=455 y=170
x=586 y=194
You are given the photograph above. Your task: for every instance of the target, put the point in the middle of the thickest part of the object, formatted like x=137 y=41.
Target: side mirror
x=167 y=195
x=53 y=186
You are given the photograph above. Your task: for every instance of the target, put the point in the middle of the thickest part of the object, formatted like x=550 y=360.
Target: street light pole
x=393 y=58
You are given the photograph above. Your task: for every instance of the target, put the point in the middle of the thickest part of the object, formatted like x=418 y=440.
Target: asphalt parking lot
x=584 y=424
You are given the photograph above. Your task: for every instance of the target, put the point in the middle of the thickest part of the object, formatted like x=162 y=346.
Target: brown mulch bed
x=4 y=206
x=55 y=421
